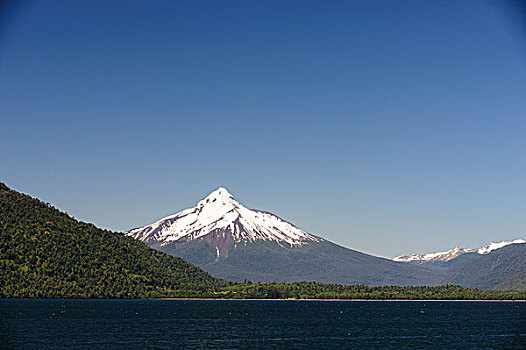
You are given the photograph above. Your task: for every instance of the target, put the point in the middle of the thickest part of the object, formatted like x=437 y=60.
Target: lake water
x=202 y=324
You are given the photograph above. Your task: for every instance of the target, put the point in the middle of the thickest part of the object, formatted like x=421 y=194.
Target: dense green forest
x=313 y=290
x=46 y=253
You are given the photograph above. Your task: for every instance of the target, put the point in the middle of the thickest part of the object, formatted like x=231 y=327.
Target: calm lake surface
x=205 y=324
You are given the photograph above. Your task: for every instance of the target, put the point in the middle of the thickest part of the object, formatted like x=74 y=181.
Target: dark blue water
x=178 y=324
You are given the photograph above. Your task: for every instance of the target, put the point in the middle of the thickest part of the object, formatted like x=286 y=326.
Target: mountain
x=500 y=265
x=454 y=253
x=230 y=241
x=46 y=253
x=221 y=220
x=502 y=269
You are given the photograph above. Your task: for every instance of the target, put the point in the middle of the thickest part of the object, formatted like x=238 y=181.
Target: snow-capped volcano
x=221 y=220
x=230 y=241
x=453 y=253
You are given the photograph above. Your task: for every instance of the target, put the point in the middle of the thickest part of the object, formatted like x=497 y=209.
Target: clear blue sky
x=389 y=127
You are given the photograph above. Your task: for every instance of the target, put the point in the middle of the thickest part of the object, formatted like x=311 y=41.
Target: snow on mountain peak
x=221 y=193
x=493 y=246
x=219 y=214
x=453 y=253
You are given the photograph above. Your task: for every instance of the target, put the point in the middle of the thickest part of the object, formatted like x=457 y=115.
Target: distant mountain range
x=499 y=265
x=501 y=269
x=455 y=252
x=230 y=241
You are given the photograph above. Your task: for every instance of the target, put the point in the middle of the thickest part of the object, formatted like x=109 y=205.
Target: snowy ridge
x=220 y=214
x=453 y=253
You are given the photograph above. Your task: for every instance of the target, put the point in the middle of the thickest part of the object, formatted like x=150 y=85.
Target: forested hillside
x=46 y=253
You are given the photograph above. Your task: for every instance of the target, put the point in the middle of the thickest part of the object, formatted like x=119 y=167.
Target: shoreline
x=329 y=300
x=251 y=299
